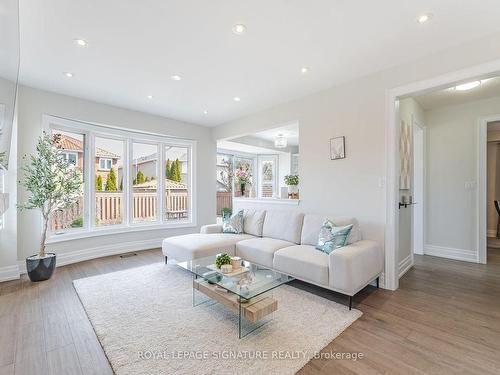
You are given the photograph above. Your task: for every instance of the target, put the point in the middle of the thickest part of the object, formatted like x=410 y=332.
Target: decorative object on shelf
x=405 y=156
x=243 y=178
x=236 y=263
x=54 y=184
x=280 y=141
x=226 y=268
x=292 y=181
x=222 y=259
x=337 y=148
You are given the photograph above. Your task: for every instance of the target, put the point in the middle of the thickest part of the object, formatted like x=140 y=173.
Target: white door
x=418 y=188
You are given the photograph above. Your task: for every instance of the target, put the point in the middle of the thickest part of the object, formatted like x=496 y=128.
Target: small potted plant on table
x=54 y=184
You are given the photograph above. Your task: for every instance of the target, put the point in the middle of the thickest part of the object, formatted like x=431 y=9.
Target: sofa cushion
x=332 y=237
x=233 y=223
x=199 y=245
x=283 y=225
x=253 y=221
x=312 y=226
x=260 y=250
x=303 y=262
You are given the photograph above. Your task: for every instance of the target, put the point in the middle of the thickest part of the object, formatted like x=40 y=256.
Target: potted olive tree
x=53 y=184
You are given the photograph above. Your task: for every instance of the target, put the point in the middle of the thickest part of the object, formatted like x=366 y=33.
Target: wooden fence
x=109 y=209
x=224 y=200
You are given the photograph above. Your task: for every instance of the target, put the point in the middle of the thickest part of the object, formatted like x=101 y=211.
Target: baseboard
x=9 y=273
x=451 y=253
x=491 y=233
x=405 y=265
x=101 y=251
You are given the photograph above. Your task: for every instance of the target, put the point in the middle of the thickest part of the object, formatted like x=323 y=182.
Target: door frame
x=418 y=226
x=390 y=279
x=482 y=186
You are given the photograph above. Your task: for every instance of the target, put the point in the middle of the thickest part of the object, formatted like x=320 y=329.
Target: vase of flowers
x=243 y=178
x=292 y=181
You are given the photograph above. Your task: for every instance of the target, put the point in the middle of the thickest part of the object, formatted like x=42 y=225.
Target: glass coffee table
x=247 y=291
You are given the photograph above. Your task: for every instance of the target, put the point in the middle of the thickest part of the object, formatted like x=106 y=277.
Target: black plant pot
x=40 y=269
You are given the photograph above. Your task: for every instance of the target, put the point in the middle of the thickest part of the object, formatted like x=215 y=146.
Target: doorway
x=418 y=234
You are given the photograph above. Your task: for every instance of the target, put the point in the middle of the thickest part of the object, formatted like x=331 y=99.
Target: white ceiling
x=444 y=97
x=135 y=46
x=291 y=132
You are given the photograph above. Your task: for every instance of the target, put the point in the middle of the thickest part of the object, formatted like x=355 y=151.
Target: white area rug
x=146 y=324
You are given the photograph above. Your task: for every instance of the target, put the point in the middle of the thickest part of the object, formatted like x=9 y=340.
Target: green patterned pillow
x=233 y=223
x=332 y=237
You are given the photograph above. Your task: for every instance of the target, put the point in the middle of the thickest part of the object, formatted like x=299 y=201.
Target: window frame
x=105 y=160
x=262 y=158
x=129 y=136
x=68 y=153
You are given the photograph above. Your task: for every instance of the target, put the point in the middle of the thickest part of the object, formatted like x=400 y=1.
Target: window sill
x=289 y=202
x=96 y=232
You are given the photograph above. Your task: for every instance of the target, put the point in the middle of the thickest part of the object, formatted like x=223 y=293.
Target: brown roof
x=72 y=144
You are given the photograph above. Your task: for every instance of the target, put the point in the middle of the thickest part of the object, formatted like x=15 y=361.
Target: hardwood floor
x=445 y=318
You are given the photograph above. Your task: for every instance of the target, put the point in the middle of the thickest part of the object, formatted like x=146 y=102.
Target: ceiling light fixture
x=205 y=112
x=423 y=18
x=68 y=74
x=280 y=141
x=237 y=99
x=467 y=86
x=175 y=77
x=150 y=96
x=239 y=29
x=305 y=69
x=81 y=42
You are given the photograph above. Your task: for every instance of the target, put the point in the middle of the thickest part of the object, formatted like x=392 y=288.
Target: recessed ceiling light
x=150 y=96
x=205 y=112
x=468 y=86
x=68 y=74
x=305 y=69
x=175 y=77
x=239 y=29
x=237 y=99
x=423 y=18
x=81 y=42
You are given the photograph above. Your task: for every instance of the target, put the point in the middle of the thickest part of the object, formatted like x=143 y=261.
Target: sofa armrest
x=352 y=267
x=211 y=228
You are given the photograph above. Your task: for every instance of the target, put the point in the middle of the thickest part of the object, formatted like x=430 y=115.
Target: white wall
x=34 y=103
x=452 y=162
x=356 y=110
x=409 y=109
x=8 y=235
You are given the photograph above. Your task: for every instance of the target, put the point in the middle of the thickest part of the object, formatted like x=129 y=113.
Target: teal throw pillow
x=332 y=237
x=233 y=223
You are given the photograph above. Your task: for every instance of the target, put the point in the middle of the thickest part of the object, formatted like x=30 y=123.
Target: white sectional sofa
x=285 y=242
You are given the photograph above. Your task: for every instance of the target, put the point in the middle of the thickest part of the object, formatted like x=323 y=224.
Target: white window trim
x=105 y=160
x=90 y=131
x=275 y=160
x=67 y=153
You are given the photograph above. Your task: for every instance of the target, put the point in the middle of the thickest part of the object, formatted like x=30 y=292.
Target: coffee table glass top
x=248 y=282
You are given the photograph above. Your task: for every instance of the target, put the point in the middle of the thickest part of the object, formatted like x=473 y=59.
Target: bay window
x=131 y=180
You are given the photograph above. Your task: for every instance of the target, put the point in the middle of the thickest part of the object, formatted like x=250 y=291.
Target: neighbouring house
x=147 y=165
x=72 y=151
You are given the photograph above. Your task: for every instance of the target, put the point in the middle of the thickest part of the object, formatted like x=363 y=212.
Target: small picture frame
x=337 y=148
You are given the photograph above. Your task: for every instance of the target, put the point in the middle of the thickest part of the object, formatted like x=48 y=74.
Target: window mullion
x=90 y=193
x=161 y=181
